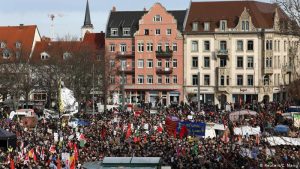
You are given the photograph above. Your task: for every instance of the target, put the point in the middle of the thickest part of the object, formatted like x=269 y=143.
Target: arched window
x=267 y=62
x=267 y=45
x=266 y=80
x=44 y=56
x=222 y=82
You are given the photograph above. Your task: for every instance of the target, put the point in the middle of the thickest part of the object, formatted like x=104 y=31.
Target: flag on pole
x=75 y=151
x=12 y=163
x=72 y=162
x=60 y=102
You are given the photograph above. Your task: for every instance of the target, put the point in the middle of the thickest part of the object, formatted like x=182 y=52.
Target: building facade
x=145 y=48
x=239 y=51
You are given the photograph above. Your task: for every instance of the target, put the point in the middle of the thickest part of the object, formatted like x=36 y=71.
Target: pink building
x=146 y=47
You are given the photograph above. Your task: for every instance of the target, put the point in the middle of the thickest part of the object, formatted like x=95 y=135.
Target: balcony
x=160 y=70
x=287 y=69
x=125 y=54
x=126 y=71
x=164 y=54
x=268 y=70
x=222 y=52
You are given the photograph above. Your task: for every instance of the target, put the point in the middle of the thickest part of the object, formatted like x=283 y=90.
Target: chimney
x=145 y=9
x=114 y=9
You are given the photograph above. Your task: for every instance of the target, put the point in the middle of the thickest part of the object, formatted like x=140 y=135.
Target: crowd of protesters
x=126 y=134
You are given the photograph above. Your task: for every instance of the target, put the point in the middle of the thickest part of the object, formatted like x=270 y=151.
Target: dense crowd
x=120 y=134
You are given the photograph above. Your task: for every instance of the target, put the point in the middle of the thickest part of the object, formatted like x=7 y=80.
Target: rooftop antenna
x=52 y=17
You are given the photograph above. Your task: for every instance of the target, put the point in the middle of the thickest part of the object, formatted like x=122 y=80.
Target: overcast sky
x=70 y=13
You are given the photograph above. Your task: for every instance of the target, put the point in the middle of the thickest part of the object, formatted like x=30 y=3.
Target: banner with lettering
x=194 y=128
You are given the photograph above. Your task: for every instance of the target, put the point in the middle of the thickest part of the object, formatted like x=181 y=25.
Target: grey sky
x=71 y=12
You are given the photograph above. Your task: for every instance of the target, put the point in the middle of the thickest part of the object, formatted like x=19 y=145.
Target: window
x=159 y=79
x=195 y=80
x=146 y=31
x=195 y=62
x=123 y=80
x=18 y=54
x=126 y=31
x=174 y=63
x=167 y=47
x=194 y=46
x=112 y=79
x=123 y=47
x=245 y=25
x=240 y=62
x=206 y=45
x=269 y=45
x=195 y=26
x=227 y=80
x=169 y=31
x=6 y=54
x=206 y=26
x=157 y=32
x=167 y=63
x=114 y=32
x=112 y=63
x=223 y=62
x=223 y=45
x=123 y=64
x=149 y=79
x=149 y=47
x=18 y=45
x=167 y=79
x=239 y=45
x=250 y=45
x=250 y=61
x=206 y=80
x=250 y=80
x=266 y=80
x=159 y=63
x=67 y=55
x=140 y=47
x=140 y=79
x=149 y=63
x=112 y=47
x=206 y=62
x=174 y=47
x=140 y=63
x=157 y=18
x=159 y=47
x=44 y=56
x=239 y=79
x=222 y=80
x=223 y=25
x=3 y=45
x=175 y=81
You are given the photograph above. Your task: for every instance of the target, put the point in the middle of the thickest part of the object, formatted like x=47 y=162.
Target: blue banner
x=194 y=128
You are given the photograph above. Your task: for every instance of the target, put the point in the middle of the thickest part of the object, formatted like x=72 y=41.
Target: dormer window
x=223 y=25
x=206 y=26
x=114 y=32
x=44 y=56
x=6 y=54
x=157 y=18
x=67 y=55
x=3 y=45
x=195 y=26
x=126 y=31
x=18 y=45
x=245 y=25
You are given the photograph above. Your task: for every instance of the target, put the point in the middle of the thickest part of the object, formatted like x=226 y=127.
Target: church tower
x=87 y=25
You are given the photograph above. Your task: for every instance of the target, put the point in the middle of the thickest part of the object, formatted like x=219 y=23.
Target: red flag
x=183 y=132
x=12 y=163
x=103 y=133
x=160 y=129
x=128 y=133
x=58 y=166
x=72 y=162
x=75 y=151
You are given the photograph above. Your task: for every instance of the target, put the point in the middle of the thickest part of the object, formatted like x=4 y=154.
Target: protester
x=127 y=134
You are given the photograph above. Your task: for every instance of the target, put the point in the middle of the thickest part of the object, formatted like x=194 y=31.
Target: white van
x=22 y=113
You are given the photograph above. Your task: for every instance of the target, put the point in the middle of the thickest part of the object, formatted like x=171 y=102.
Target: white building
x=239 y=51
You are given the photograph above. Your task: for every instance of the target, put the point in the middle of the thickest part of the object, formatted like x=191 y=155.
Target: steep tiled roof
x=97 y=39
x=262 y=14
x=130 y=19
x=11 y=35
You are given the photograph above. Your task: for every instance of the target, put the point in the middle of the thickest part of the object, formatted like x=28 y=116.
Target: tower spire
x=87 y=18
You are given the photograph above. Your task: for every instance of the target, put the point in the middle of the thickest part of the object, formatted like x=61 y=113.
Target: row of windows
x=17 y=45
x=157 y=32
x=223 y=62
x=269 y=45
x=222 y=45
x=149 y=47
x=223 y=26
x=223 y=79
x=149 y=79
x=149 y=63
